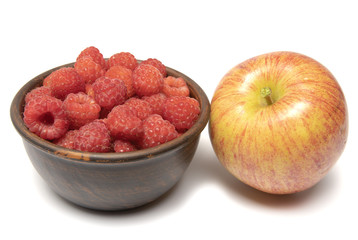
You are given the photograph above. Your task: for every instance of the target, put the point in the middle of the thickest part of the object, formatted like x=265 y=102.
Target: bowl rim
x=18 y=102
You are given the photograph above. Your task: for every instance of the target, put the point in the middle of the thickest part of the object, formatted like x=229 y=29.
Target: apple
x=279 y=122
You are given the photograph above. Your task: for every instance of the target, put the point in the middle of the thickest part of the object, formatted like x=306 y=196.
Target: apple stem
x=266 y=93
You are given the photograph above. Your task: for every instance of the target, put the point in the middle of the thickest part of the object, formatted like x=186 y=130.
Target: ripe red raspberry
x=80 y=109
x=68 y=140
x=64 y=81
x=88 y=69
x=156 y=63
x=157 y=131
x=95 y=54
x=93 y=137
x=124 y=59
x=175 y=87
x=142 y=108
x=124 y=74
x=147 y=80
x=156 y=101
x=109 y=92
x=181 y=111
x=123 y=123
x=37 y=92
x=121 y=146
x=44 y=116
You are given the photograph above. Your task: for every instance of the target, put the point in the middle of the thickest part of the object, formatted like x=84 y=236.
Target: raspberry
x=147 y=80
x=68 y=140
x=121 y=146
x=64 y=81
x=156 y=101
x=88 y=69
x=95 y=54
x=93 y=137
x=175 y=87
x=124 y=59
x=143 y=108
x=45 y=117
x=156 y=63
x=124 y=74
x=157 y=131
x=80 y=109
x=123 y=123
x=181 y=111
x=109 y=92
x=37 y=92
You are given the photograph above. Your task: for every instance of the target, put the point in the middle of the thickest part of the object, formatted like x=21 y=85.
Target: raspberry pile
x=110 y=105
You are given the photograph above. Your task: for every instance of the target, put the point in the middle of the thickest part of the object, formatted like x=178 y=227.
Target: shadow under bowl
x=111 y=181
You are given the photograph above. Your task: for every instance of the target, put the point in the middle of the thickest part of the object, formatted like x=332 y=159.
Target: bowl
x=111 y=181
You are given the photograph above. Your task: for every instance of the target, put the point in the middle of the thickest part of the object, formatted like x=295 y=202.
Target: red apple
x=279 y=122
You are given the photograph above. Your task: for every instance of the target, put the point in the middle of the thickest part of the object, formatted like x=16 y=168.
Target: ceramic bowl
x=111 y=181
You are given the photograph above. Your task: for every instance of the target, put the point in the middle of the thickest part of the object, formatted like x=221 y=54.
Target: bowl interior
x=16 y=113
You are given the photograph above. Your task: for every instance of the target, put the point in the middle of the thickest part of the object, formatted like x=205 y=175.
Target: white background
x=203 y=39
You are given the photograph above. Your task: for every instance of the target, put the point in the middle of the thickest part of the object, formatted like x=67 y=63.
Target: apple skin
x=290 y=145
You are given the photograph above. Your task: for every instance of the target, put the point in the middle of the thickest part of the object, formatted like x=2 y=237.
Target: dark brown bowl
x=111 y=181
